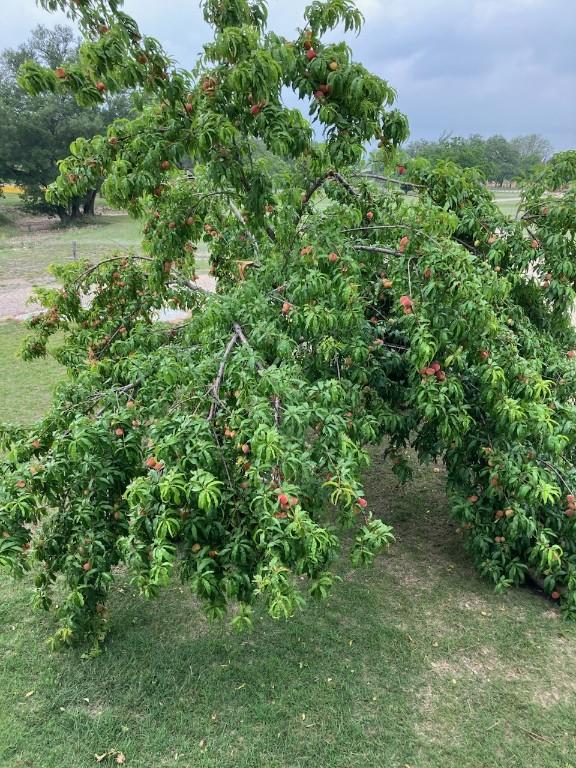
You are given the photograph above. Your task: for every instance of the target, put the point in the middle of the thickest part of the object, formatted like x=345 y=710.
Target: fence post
x=74 y=249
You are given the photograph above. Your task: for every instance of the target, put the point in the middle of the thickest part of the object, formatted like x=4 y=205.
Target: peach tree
x=229 y=448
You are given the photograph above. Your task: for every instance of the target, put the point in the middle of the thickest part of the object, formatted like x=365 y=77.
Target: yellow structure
x=12 y=188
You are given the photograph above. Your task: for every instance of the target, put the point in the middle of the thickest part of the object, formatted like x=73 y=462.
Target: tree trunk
x=63 y=214
x=75 y=209
x=89 y=201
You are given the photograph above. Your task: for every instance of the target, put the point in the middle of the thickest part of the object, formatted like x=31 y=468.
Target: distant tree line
x=499 y=159
x=36 y=131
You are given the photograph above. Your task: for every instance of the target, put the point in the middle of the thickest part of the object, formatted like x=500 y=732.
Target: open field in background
x=29 y=244
x=413 y=663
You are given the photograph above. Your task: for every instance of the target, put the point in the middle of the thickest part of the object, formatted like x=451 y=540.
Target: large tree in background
x=230 y=449
x=37 y=130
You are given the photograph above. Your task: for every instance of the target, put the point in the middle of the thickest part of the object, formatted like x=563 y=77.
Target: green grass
x=28 y=244
x=508 y=201
x=415 y=662
x=25 y=388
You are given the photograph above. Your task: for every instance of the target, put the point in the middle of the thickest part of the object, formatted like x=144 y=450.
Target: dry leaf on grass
x=118 y=756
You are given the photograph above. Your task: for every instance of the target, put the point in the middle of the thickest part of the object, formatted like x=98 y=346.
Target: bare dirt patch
x=14 y=298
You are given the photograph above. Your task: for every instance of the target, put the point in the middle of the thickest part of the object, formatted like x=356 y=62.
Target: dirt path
x=14 y=298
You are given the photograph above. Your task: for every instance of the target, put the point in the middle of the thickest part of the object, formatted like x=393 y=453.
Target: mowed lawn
x=413 y=663
x=25 y=388
x=29 y=244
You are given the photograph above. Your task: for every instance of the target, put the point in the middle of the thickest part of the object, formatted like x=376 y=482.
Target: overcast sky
x=459 y=66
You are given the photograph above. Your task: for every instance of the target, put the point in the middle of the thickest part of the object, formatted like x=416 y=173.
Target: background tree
x=498 y=158
x=37 y=130
x=230 y=449
x=533 y=150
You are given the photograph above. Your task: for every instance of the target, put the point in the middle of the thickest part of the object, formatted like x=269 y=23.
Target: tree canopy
x=229 y=448
x=37 y=130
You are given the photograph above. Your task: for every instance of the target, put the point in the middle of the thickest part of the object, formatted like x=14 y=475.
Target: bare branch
x=215 y=386
x=237 y=213
x=241 y=335
x=387 y=179
x=346 y=184
x=378 y=249
x=277 y=411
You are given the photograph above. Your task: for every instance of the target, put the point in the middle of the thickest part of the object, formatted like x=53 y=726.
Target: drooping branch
x=319 y=182
x=94 y=267
x=242 y=336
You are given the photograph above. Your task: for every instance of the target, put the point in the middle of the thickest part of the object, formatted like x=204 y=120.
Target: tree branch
x=376 y=176
x=341 y=180
x=94 y=267
x=240 y=334
x=215 y=386
x=277 y=402
x=378 y=249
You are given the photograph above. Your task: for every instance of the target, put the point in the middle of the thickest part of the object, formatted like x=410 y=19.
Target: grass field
x=25 y=388
x=28 y=245
x=415 y=662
